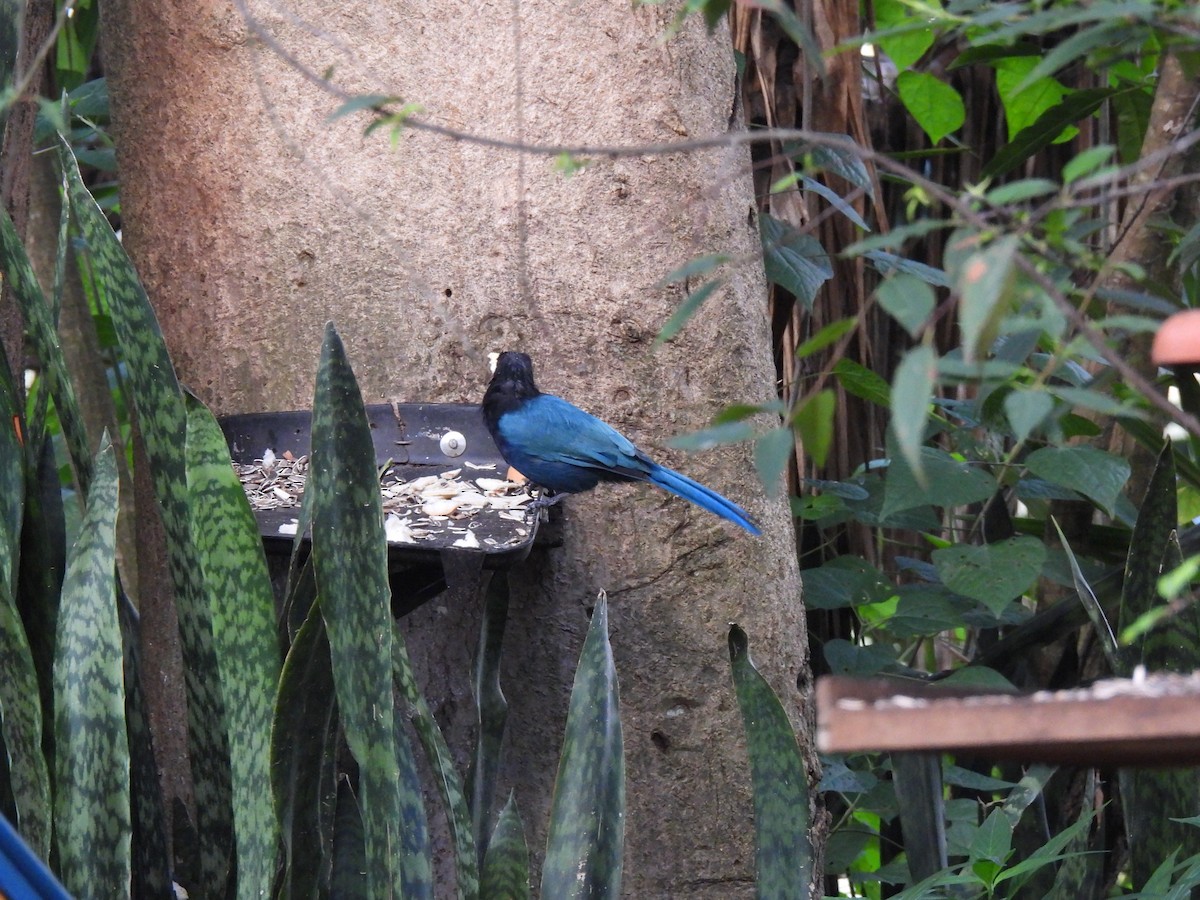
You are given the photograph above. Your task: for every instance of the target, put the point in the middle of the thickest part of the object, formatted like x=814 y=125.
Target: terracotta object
x=1178 y=340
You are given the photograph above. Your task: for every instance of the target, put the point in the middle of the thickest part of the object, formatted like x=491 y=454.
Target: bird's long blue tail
x=695 y=492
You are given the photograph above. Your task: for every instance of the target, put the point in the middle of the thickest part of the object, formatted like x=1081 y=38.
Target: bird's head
x=515 y=369
x=511 y=385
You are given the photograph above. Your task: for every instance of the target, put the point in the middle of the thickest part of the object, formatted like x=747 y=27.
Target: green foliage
x=783 y=856
x=587 y=820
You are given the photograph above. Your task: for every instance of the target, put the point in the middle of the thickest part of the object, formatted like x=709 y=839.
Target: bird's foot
x=545 y=501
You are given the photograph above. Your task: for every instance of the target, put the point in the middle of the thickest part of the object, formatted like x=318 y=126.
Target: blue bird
x=561 y=448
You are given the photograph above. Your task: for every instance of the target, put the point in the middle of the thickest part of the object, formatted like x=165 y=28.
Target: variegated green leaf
x=505 y=874
x=442 y=765
x=304 y=742
x=491 y=709
x=20 y=703
x=43 y=337
x=784 y=854
x=349 y=876
x=415 y=852
x=163 y=423
x=350 y=561
x=91 y=810
x=243 y=621
x=21 y=730
x=587 y=819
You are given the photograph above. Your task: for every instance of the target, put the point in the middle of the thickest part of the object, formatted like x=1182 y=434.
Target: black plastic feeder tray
x=419 y=439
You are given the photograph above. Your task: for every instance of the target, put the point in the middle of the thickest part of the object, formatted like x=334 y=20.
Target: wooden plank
x=1147 y=721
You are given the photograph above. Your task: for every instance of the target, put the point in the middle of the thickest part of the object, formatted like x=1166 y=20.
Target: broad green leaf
x=92 y=823
x=163 y=421
x=903 y=47
x=587 y=818
x=364 y=102
x=1026 y=410
x=887 y=263
x=844 y=581
x=936 y=106
x=860 y=381
x=1025 y=99
x=725 y=433
x=845 y=658
x=1062 y=53
x=830 y=334
x=898 y=236
x=950 y=482
x=1020 y=191
x=779 y=778
x=993 y=840
x=912 y=392
x=840 y=155
x=505 y=874
x=1046 y=129
x=772 y=451
x=814 y=422
x=1097 y=401
x=1087 y=162
x=701 y=265
x=242 y=604
x=350 y=560
x=794 y=260
x=1097 y=475
x=982 y=282
x=907 y=299
x=993 y=574
x=689 y=307
x=491 y=709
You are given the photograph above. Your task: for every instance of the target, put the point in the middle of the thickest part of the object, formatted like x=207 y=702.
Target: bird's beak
x=493 y=358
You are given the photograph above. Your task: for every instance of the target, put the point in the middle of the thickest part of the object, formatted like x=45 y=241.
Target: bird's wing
x=551 y=429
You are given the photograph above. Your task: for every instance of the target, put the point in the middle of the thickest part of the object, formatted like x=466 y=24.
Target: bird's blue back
x=559 y=446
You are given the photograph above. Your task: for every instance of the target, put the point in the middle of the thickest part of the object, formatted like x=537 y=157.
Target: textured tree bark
x=253 y=218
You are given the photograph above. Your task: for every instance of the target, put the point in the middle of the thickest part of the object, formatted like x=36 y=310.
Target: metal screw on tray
x=444 y=487
x=453 y=444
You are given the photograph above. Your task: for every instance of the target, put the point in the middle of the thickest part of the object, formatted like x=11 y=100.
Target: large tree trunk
x=253 y=218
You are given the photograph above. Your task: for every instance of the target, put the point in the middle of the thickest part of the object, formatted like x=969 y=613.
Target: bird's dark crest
x=511 y=385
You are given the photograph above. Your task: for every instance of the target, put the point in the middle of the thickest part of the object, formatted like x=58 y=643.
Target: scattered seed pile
x=415 y=510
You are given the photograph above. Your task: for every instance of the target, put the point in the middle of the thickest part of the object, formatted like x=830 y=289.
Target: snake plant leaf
x=492 y=710
x=149 y=854
x=505 y=873
x=303 y=754
x=348 y=878
x=21 y=722
x=43 y=337
x=28 y=776
x=780 y=782
x=163 y=420
x=415 y=850
x=1154 y=800
x=350 y=562
x=587 y=818
x=91 y=813
x=243 y=622
x=437 y=753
